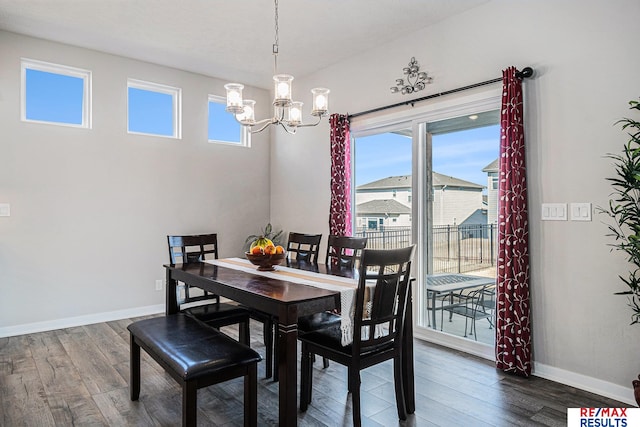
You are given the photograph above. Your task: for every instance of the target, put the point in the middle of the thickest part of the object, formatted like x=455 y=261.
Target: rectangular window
x=55 y=94
x=223 y=127
x=154 y=109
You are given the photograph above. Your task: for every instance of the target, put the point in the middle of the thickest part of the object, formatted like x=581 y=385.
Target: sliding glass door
x=431 y=179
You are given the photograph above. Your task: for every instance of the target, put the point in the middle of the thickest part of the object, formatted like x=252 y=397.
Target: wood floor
x=79 y=376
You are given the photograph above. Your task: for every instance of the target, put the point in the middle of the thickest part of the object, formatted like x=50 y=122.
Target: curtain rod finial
x=525 y=73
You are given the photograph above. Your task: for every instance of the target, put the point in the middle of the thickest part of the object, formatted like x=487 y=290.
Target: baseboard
x=583 y=382
x=70 y=322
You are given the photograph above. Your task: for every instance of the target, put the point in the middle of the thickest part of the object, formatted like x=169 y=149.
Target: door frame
x=477 y=100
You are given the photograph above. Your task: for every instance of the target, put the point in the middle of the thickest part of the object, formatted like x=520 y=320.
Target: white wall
x=91 y=209
x=584 y=54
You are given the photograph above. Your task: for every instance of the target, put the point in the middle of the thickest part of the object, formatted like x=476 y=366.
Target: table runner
x=347 y=287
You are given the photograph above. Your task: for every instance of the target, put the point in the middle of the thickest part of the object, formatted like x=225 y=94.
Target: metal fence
x=456 y=248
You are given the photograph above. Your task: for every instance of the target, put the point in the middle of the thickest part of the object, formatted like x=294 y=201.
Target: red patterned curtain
x=513 y=322
x=340 y=210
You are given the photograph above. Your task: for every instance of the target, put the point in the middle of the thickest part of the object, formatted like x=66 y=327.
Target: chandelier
x=416 y=79
x=286 y=113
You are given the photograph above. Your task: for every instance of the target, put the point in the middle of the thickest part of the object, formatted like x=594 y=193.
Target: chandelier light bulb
x=295 y=114
x=320 y=101
x=282 y=89
x=234 y=97
x=247 y=116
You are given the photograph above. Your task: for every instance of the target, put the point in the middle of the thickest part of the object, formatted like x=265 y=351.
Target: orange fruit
x=256 y=250
x=279 y=249
x=269 y=249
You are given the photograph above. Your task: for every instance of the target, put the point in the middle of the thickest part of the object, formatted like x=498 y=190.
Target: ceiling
x=230 y=39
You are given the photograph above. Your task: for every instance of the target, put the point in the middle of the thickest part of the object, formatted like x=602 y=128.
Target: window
x=55 y=94
x=154 y=109
x=494 y=182
x=223 y=127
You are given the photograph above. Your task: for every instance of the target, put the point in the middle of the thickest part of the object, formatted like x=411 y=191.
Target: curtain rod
x=525 y=73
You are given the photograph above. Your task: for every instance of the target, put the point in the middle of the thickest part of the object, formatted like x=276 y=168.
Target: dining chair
x=378 y=327
x=304 y=246
x=195 y=248
x=342 y=252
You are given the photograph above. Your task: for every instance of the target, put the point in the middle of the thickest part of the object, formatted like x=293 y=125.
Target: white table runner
x=347 y=287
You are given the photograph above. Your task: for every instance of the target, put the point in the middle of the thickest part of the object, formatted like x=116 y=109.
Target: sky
x=461 y=154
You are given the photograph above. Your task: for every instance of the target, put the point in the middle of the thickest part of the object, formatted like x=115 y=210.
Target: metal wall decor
x=416 y=80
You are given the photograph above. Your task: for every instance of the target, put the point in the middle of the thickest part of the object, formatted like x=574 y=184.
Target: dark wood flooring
x=79 y=376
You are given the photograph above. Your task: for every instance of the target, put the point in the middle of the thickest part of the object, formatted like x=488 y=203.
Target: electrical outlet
x=159 y=285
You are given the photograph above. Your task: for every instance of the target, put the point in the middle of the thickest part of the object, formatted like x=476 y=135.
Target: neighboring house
x=472 y=226
x=492 y=191
x=454 y=200
x=375 y=214
x=396 y=188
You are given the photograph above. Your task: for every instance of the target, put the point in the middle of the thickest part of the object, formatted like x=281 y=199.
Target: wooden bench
x=196 y=356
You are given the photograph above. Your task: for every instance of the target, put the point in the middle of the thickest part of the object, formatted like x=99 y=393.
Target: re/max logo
x=603 y=412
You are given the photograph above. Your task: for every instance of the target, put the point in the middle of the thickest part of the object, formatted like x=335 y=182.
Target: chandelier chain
x=276 y=44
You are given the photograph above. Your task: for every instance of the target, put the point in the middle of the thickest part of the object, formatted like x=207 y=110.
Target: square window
x=153 y=109
x=55 y=94
x=223 y=127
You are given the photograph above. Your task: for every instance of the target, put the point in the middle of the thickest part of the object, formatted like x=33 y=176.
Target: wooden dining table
x=287 y=301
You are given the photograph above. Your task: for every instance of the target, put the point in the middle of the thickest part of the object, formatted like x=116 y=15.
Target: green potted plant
x=624 y=209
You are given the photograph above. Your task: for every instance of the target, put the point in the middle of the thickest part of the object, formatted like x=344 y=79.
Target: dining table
x=287 y=299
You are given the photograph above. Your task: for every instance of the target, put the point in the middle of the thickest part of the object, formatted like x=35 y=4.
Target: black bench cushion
x=189 y=347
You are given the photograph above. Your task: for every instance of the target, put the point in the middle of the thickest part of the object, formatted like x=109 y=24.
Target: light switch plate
x=580 y=211
x=5 y=209
x=554 y=211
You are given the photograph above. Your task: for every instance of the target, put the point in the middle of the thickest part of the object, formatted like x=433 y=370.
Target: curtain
x=513 y=323
x=340 y=209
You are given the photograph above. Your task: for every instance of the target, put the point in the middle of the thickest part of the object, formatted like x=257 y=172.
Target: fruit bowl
x=265 y=262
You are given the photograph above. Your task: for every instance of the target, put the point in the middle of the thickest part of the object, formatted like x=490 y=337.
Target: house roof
x=404 y=181
x=387 y=206
x=492 y=167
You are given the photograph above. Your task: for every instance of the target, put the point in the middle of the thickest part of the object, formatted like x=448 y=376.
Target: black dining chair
x=301 y=248
x=196 y=248
x=305 y=247
x=378 y=327
x=342 y=252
